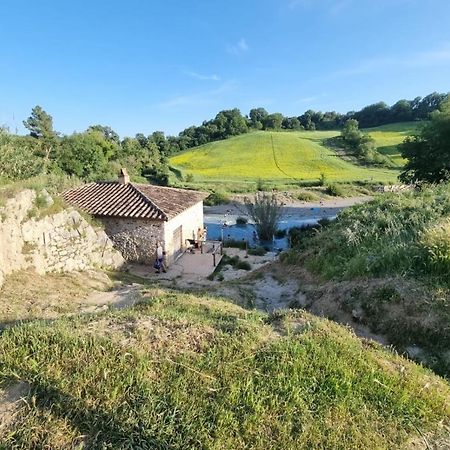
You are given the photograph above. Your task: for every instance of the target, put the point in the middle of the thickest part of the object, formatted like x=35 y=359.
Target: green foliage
x=228 y=381
x=85 y=155
x=279 y=234
x=40 y=124
x=428 y=153
x=436 y=242
x=265 y=210
x=189 y=177
x=257 y=251
x=357 y=141
x=322 y=179
x=217 y=198
x=307 y=196
x=235 y=243
x=243 y=265
x=18 y=158
x=384 y=236
x=335 y=190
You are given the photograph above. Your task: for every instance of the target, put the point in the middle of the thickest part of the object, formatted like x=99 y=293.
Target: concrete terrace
x=195 y=266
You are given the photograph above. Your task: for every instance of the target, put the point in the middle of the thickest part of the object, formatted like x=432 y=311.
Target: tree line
x=231 y=122
x=99 y=152
x=94 y=154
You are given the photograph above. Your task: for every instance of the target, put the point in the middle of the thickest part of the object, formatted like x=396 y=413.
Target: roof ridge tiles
x=163 y=214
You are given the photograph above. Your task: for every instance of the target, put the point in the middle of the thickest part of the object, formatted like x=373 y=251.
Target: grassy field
x=387 y=138
x=399 y=235
x=285 y=157
x=179 y=371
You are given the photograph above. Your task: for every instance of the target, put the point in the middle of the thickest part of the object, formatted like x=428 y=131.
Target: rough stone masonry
x=61 y=242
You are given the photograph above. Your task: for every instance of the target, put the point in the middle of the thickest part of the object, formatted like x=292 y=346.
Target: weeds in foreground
x=242 y=386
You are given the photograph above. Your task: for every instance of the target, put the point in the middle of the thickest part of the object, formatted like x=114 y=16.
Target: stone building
x=138 y=216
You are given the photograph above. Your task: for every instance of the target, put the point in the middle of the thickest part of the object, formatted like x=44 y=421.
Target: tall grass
x=390 y=234
x=185 y=372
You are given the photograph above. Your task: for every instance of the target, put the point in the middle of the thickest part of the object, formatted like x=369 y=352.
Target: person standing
x=160 y=258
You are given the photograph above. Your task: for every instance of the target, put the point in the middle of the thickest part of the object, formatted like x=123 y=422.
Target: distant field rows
x=285 y=157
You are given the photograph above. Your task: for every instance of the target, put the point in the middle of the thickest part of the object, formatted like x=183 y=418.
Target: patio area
x=194 y=264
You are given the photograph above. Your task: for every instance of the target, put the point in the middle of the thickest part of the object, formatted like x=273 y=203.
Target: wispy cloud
x=199 y=98
x=200 y=76
x=415 y=60
x=239 y=48
x=310 y=99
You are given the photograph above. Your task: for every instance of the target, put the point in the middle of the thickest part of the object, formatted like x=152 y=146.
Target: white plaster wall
x=190 y=220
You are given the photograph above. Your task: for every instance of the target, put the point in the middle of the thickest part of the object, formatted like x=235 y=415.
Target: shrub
x=436 y=242
x=265 y=210
x=306 y=196
x=235 y=243
x=217 y=198
x=335 y=190
x=392 y=234
x=189 y=177
x=241 y=220
x=243 y=265
x=257 y=251
x=322 y=179
x=260 y=185
x=279 y=234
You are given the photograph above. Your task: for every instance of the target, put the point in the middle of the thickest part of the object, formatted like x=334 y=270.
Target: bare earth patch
x=26 y=295
x=11 y=398
x=154 y=334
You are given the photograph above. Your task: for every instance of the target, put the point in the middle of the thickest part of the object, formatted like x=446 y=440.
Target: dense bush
x=390 y=234
x=217 y=198
x=307 y=196
x=241 y=220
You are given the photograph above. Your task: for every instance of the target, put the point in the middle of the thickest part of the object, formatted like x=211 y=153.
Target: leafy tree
x=273 y=121
x=360 y=143
x=265 y=210
x=257 y=117
x=428 y=152
x=84 y=155
x=18 y=160
x=401 y=111
x=373 y=115
x=40 y=125
x=291 y=123
x=108 y=133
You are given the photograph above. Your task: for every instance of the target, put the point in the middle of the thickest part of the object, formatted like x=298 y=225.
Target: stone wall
x=60 y=242
x=136 y=239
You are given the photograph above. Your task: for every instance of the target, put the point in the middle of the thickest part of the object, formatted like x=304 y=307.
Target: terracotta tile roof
x=113 y=199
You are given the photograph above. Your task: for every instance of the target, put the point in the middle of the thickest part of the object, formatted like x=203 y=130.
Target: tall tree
x=428 y=152
x=40 y=125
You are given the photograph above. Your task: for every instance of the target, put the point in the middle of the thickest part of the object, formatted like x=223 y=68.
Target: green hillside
x=285 y=157
x=179 y=371
x=387 y=138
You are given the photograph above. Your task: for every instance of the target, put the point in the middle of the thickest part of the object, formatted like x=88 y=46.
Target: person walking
x=160 y=263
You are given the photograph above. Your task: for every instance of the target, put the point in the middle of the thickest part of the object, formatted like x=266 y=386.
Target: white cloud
x=239 y=48
x=200 y=76
x=311 y=99
x=199 y=98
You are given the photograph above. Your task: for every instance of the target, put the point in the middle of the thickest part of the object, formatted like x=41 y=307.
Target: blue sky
x=141 y=65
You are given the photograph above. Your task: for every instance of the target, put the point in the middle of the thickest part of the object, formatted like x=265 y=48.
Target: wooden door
x=177 y=240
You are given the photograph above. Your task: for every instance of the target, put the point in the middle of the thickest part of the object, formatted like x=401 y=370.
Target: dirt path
x=119 y=298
